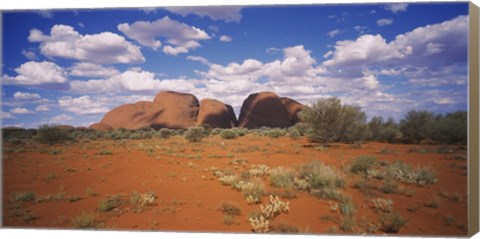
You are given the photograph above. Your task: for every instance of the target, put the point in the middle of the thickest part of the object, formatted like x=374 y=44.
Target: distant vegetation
x=324 y=122
x=329 y=121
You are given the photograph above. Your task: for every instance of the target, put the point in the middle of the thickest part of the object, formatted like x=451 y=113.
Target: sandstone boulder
x=100 y=127
x=168 y=110
x=293 y=107
x=264 y=109
x=216 y=114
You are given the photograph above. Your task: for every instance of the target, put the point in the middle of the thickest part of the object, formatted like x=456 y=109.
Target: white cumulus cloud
x=180 y=37
x=37 y=73
x=42 y=108
x=132 y=81
x=384 y=22
x=334 y=33
x=26 y=96
x=396 y=7
x=83 y=105
x=92 y=70
x=101 y=48
x=225 y=38
x=21 y=111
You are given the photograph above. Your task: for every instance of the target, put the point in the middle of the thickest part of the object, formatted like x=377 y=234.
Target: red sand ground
x=189 y=195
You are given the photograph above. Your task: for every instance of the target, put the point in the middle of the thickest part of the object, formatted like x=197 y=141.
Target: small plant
x=274 y=207
x=228 y=180
x=194 y=134
x=281 y=177
x=294 y=133
x=347 y=224
x=229 y=134
x=434 y=203
x=228 y=219
x=25 y=196
x=363 y=164
x=148 y=199
x=165 y=133
x=347 y=207
x=328 y=194
x=259 y=170
x=259 y=223
x=391 y=223
x=389 y=186
x=90 y=192
x=407 y=174
x=86 y=221
x=105 y=152
x=319 y=175
x=230 y=209
x=106 y=205
x=382 y=205
x=253 y=192
x=284 y=228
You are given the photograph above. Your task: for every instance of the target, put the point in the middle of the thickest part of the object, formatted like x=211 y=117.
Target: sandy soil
x=71 y=179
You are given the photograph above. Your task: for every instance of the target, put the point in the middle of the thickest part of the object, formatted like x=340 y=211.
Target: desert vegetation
x=332 y=172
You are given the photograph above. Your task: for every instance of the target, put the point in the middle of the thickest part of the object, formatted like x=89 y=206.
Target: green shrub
x=302 y=128
x=253 y=191
x=229 y=134
x=384 y=131
x=15 y=141
x=25 y=196
x=407 y=174
x=230 y=209
x=106 y=205
x=353 y=125
x=86 y=221
x=293 y=133
x=391 y=222
x=281 y=177
x=417 y=126
x=51 y=134
x=275 y=133
x=165 y=133
x=194 y=134
x=329 y=121
x=216 y=131
x=318 y=175
x=363 y=164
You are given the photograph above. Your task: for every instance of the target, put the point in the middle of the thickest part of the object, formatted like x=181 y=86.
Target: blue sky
x=71 y=67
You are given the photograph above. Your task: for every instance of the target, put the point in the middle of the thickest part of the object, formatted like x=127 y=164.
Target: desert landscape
x=186 y=165
x=335 y=119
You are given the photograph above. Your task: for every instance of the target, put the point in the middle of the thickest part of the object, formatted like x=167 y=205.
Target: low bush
x=363 y=164
x=230 y=209
x=391 y=222
x=281 y=177
x=229 y=134
x=86 y=221
x=407 y=174
x=165 y=133
x=52 y=134
x=318 y=175
x=194 y=134
x=253 y=192
x=25 y=196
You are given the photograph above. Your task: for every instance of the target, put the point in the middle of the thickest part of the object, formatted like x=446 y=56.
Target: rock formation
x=293 y=107
x=216 y=114
x=179 y=110
x=264 y=109
x=168 y=110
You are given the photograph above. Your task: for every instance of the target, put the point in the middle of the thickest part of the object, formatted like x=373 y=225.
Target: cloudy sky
x=71 y=67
